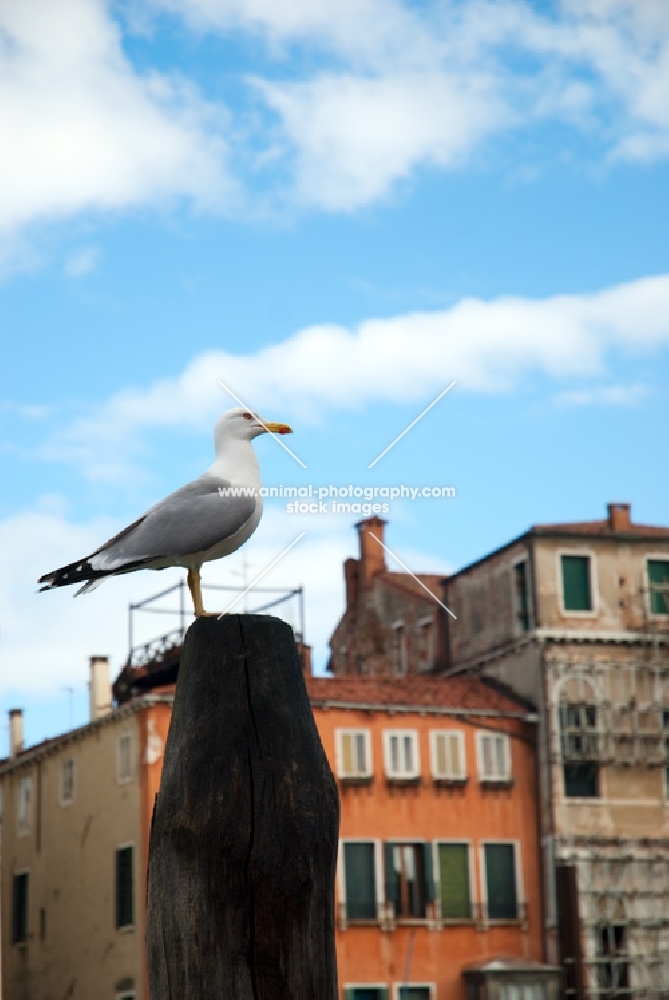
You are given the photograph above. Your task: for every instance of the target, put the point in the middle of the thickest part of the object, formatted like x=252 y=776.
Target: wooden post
x=243 y=842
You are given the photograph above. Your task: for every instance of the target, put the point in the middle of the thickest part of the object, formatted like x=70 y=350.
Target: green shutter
x=414 y=993
x=454 y=879
x=576 y=583
x=658 y=576
x=429 y=876
x=501 y=881
x=360 y=883
x=391 y=877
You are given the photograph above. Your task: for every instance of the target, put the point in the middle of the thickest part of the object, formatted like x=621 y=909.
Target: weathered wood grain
x=243 y=842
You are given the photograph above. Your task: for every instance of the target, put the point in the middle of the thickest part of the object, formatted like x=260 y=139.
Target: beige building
x=74 y=838
x=575 y=617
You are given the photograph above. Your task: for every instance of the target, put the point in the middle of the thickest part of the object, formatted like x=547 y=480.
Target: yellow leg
x=196 y=593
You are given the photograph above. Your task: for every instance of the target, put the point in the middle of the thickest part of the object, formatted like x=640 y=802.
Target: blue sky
x=337 y=209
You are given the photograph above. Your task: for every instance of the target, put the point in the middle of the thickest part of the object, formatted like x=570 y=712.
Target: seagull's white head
x=243 y=425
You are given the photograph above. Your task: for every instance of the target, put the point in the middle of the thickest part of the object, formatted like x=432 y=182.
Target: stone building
x=575 y=617
x=392 y=625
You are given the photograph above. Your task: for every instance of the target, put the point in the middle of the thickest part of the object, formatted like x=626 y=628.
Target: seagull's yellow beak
x=278 y=428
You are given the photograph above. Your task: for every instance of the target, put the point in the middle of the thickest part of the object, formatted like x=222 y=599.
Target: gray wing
x=190 y=520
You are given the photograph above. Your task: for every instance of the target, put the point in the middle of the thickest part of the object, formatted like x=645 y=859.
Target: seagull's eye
x=247 y=416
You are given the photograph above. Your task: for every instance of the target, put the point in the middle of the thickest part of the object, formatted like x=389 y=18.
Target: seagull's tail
x=76 y=572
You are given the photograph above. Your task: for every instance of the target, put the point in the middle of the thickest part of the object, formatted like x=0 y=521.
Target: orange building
x=439 y=857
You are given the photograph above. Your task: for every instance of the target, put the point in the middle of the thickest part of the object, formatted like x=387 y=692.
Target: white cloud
x=414 y=86
x=486 y=346
x=356 y=136
x=387 y=88
x=81 y=129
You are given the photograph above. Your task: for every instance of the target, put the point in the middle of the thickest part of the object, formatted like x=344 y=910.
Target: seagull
x=197 y=523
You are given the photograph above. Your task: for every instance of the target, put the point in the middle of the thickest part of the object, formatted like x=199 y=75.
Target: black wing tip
x=78 y=572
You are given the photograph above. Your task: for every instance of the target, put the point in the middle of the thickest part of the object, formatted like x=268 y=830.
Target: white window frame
x=521 y=986
x=120 y=778
x=339 y=756
x=520 y=889
x=24 y=824
x=524 y=558
x=432 y=987
x=378 y=877
x=653 y=557
x=434 y=734
x=436 y=870
x=61 y=798
x=507 y=777
x=594 y=589
x=402 y=775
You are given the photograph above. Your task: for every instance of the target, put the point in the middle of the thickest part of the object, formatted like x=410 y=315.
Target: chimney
x=15 y=731
x=352 y=578
x=620 y=518
x=372 y=555
x=99 y=689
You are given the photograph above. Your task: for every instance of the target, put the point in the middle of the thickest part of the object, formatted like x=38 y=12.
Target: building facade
x=575 y=617
x=75 y=818
x=438 y=868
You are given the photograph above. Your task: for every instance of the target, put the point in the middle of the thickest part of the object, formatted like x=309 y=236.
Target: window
x=494 y=757
x=448 y=755
x=67 y=782
x=426 y=648
x=578 y=729
x=522 y=991
x=354 y=754
x=365 y=993
x=658 y=586
x=521 y=596
x=20 y=908
x=125 y=910
x=500 y=881
x=124 y=758
x=400 y=648
x=25 y=810
x=613 y=970
x=359 y=880
x=402 y=754
x=409 y=883
x=454 y=882
x=414 y=992
x=576 y=584
x=126 y=996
